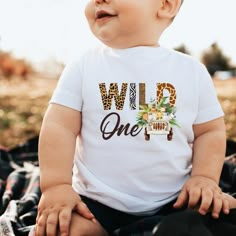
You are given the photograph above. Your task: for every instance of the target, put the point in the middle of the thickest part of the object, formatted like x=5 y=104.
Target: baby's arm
x=208 y=157
x=59 y=131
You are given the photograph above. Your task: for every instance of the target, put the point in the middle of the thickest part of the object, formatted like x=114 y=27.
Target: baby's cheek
x=89 y=11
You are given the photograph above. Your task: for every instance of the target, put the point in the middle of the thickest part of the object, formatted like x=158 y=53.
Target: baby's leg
x=81 y=226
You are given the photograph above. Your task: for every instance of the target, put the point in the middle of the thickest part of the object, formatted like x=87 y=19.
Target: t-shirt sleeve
x=69 y=88
x=209 y=107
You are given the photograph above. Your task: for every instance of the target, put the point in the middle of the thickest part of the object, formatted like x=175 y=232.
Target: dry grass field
x=23 y=103
x=226 y=91
x=22 y=106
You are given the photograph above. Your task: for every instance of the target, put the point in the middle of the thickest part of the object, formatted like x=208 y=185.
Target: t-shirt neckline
x=138 y=51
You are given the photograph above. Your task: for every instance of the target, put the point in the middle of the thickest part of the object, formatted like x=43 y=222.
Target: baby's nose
x=100 y=1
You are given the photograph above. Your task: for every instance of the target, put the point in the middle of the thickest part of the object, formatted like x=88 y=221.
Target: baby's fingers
x=83 y=210
x=217 y=205
x=64 y=221
x=182 y=199
x=40 y=229
x=220 y=204
x=226 y=204
x=194 y=197
x=206 y=201
x=52 y=223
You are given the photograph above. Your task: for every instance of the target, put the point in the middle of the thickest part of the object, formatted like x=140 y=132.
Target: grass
x=23 y=104
x=227 y=97
x=22 y=107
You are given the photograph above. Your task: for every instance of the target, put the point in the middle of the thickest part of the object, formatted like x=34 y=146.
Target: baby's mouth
x=103 y=14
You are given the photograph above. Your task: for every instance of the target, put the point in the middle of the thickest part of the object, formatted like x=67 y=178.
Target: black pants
x=112 y=219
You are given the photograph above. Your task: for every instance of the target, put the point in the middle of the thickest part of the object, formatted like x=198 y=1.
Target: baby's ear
x=169 y=8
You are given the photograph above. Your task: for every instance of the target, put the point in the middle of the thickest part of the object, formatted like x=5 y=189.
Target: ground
x=23 y=104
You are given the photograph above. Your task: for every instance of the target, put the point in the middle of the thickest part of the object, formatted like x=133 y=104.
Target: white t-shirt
x=132 y=101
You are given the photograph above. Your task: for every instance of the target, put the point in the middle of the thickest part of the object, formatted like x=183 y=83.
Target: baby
x=98 y=171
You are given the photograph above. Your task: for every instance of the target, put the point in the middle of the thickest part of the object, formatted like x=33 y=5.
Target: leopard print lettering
x=170 y=88
x=113 y=92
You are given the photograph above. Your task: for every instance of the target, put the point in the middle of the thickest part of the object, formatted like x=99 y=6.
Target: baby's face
x=124 y=23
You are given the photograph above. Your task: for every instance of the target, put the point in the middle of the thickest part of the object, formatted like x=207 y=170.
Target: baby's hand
x=55 y=208
x=231 y=200
x=203 y=192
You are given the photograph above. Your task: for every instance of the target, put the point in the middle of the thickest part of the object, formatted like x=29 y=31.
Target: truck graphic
x=157 y=119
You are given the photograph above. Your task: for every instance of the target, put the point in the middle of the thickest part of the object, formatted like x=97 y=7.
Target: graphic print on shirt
x=156 y=117
x=113 y=92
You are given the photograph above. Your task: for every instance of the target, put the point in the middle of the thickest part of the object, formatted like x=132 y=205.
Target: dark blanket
x=19 y=188
x=191 y=223
x=20 y=194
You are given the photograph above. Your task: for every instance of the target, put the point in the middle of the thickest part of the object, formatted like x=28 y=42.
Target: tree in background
x=182 y=48
x=11 y=66
x=215 y=60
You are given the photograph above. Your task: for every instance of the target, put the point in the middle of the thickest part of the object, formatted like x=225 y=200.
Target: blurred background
x=38 y=38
